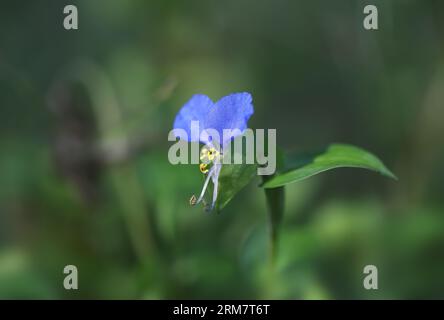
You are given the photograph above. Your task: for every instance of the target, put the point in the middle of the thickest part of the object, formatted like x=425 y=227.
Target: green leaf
x=335 y=156
x=233 y=178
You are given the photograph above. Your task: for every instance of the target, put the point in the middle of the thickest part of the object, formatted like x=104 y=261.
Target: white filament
x=207 y=180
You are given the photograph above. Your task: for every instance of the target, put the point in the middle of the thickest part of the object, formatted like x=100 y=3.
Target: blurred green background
x=85 y=178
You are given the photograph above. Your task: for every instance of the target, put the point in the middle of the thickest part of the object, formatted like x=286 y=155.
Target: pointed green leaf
x=335 y=156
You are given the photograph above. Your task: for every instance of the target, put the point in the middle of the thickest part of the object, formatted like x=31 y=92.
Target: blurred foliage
x=86 y=179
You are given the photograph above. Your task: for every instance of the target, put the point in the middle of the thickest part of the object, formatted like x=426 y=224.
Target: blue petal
x=196 y=109
x=230 y=112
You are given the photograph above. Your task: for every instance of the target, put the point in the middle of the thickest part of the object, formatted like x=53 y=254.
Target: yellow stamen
x=208 y=154
x=203 y=168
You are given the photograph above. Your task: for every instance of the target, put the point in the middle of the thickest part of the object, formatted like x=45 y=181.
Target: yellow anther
x=208 y=155
x=203 y=168
x=211 y=154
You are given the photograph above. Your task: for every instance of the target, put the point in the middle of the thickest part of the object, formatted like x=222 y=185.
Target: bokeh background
x=84 y=174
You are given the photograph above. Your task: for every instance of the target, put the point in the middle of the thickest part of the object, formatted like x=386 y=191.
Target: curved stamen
x=207 y=180
x=215 y=178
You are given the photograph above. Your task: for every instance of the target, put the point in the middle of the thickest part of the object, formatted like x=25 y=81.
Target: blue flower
x=229 y=113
